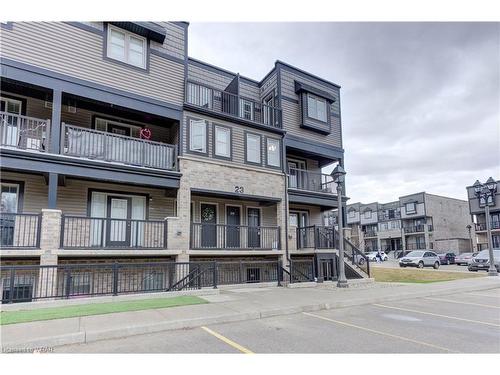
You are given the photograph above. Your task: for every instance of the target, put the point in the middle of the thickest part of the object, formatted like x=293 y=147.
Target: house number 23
x=239 y=189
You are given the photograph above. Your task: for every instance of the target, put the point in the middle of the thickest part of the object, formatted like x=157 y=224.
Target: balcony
x=25 y=133
x=78 y=232
x=303 y=179
x=370 y=233
x=99 y=145
x=20 y=230
x=207 y=236
x=414 y=228
x=232 y=105
x=482 y=226
x=315 y=237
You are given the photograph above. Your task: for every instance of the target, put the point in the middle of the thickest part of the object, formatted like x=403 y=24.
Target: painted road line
x=462 y=303
x=228 y=341
x=438 y=315
x=485 y=295
x=381 y=333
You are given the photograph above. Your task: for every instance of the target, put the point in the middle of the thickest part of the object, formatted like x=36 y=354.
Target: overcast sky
x=420 y=101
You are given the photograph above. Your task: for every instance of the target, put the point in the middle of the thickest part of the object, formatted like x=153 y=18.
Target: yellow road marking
x=439 y=315
x=380 y=333
x=228 y=341
x=462 y=303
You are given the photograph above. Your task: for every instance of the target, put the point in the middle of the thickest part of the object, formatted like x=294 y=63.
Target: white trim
x=204 y=149
x=6 y=100
x=259 y=137
x=278 y=151
x=226 y=130
x=127 y=36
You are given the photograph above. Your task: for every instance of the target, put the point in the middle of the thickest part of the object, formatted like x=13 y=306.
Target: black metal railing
x=27 y=133
x=414 y=228
x=301 y=270
x=32 y=283
x=356 y=257
x=100 y=145
x=315 y=237
x=493 y=225
x=20 y=230
x=430 y=228
x=222 y=236
x=370 y=233
x=78 y=232
x=233 y=105
x=303 y=179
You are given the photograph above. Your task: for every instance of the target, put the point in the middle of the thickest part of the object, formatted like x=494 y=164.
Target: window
x=352 y=214
x=268 y=110
x=9 y=198
x=316 y=108
x=116 y=127
x=246 y=109
x=410 y=208
x=368 y=214
x=126 y=47
x=10 y=105
x=273 y=152
x=222 y=140
x=253 y=148
x=198 y=136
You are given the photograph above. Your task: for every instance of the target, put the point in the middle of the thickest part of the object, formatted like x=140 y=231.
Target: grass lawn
x=413 y=275
x=22 y=316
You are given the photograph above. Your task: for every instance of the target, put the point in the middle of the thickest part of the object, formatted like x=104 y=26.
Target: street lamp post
x=469 y=227
x=338 y=177
x=486 y=196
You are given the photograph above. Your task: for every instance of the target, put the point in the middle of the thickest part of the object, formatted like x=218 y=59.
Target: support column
x=47 y=277
x=55 y=131
x=53 y=177
x=49 y=243
x=51 y=230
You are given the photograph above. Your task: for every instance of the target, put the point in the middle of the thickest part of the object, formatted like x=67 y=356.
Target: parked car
x=447 y=258
x=420 y=259
x=372 y=255
x=464 y=258
x=482 y=261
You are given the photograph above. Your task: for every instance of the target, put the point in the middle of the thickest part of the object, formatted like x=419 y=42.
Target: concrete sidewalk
x=229 y=305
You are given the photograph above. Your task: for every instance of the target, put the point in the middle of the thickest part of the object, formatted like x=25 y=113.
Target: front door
x=233 y=221
x=10 y=131
x=253 y=227
x=118 y=228
x=327 y=269
x=208 y=225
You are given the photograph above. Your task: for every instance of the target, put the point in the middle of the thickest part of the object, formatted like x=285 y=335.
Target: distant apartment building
x=416 y=221
x=479 y=218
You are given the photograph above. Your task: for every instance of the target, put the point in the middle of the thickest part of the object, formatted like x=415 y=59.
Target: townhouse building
x=478 y=216
x=116 y=146
x=413 y=222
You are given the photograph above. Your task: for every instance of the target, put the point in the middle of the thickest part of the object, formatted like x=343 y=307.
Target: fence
x=20 y=230
x=24 y=132
x=315 y=237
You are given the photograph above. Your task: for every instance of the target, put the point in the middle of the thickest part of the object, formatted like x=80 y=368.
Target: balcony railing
x=27 y=133
x=415 y=228
x=312 y=181
x=315 y=237
x=100 y=145
x=493 y=225
x=208 y=236
x=19 y=230
x=233 y=105
x=79 y=232
x=370 y=233
x=385 y=216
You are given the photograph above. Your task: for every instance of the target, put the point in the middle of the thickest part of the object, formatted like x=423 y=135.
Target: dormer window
x=126 y=47
x=368 y=214
x=352 y=214
x=410 y=208
x=316 y=108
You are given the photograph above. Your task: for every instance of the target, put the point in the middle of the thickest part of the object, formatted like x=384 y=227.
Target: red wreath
x=145 y=133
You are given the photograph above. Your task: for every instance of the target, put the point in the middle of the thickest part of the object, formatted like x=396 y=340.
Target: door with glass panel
x=118 y=228
x=9 y=204
x=295 y=171
x=9 y=128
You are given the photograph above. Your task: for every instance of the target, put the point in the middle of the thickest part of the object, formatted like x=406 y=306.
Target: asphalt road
x=466 y=322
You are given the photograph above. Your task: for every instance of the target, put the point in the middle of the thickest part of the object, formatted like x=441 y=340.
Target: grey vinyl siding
x=250 y=91
x=292 y=110
x=34 y=107
x=208 y=77
x=72 y=198
x=269 y=85
x=69 y=50
x=174 y=41
x=238 y=139
x=268 y=215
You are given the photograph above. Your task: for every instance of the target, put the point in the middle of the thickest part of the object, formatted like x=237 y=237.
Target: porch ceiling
x=264 y=201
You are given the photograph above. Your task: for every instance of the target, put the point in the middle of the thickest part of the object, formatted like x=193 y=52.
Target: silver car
x=482 y=261
x=420 y=259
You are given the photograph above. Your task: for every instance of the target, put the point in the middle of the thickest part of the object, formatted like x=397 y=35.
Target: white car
x=372 y=255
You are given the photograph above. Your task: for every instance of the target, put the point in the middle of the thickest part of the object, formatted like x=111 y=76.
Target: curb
x=84 y=336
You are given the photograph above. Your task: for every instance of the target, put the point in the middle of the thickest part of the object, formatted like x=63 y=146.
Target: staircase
x=356 y=262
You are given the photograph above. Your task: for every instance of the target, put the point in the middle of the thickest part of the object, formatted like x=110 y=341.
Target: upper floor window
x=352 y=214
x=316 y=108
x=10 y=105
x=198 y=136
x=273 y=152
x=411 y=207
x=126 y=47
x=246 y=109
x=253 y=148
x=222 y=141
x=368 y=214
